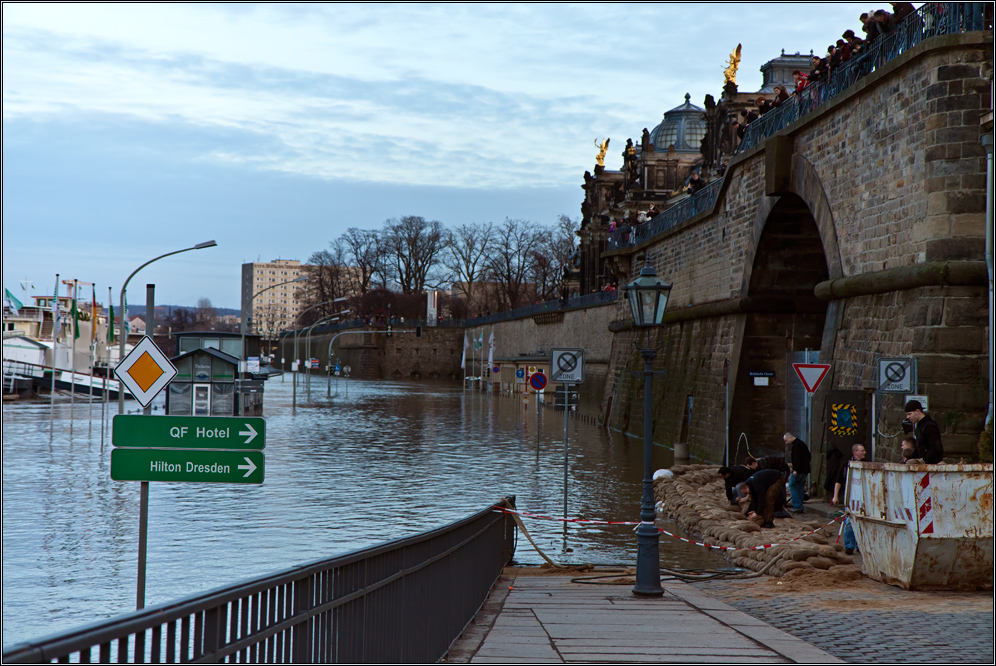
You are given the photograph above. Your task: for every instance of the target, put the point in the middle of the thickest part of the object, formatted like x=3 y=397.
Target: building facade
x=274 y=309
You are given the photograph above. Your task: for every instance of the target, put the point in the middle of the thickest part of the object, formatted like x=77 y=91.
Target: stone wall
x=887 y=182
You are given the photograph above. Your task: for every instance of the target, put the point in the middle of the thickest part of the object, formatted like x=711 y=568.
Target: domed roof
x=683 y=127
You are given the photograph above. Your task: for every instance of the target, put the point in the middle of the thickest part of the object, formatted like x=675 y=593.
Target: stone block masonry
x=871 y=244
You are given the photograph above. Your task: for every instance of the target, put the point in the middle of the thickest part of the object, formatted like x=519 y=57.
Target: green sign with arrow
x=189 y=432
x=187 y=465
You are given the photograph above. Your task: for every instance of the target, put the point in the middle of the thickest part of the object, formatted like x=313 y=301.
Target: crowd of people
x=850 y=46
x=759 y=485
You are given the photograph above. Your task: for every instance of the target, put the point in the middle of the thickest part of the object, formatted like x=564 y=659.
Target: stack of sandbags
x=694 y=496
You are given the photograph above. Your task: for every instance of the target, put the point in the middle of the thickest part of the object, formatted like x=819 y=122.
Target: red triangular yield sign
x=811 y=374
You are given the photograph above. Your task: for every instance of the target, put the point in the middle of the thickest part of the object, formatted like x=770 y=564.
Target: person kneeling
x=765 y=492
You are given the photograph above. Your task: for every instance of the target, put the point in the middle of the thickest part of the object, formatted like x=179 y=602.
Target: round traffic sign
x=520 y=373
x=496 y=369
x=538 y=381
x=895 y=372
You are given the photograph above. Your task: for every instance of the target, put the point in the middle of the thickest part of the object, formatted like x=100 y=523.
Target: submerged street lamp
x=243 y=322
x=647 y=296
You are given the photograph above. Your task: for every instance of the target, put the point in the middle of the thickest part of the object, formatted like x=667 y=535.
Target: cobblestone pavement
x=870 y=622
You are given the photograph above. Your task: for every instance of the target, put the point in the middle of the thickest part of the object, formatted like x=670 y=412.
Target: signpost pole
x=143 y=510
x=567 y=392
x=809 y=405
x=726 y=386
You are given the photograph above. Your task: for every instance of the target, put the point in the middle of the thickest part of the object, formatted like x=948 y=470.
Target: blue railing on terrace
x=402 y=602
x=932 y=19
x=686 y=209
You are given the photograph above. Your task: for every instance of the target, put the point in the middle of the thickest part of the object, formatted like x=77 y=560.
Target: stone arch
x=804 y=183
x=793 y=248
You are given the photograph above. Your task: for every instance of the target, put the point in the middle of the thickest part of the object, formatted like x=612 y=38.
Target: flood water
x=374 y=462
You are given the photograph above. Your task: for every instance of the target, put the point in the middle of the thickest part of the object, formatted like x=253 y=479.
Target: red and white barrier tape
x=523 y=514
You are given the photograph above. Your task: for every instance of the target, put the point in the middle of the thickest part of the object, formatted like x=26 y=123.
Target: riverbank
x=694 y=496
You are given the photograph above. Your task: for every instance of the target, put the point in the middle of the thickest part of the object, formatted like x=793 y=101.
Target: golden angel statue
x=602 y=147
x=730 y=73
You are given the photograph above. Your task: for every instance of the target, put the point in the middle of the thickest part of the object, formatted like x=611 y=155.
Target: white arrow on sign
x=251 y=467
x=250 y=433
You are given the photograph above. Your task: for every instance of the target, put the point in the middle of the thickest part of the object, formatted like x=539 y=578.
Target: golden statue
x=602 y=147
x=730 y=73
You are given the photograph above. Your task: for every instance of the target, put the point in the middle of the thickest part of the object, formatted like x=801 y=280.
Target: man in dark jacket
x=927 y=433
x=734 y=475
x=798 y=481
x=766 y=492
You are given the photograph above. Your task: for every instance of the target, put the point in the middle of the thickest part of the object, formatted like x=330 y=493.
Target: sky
x=132 y=130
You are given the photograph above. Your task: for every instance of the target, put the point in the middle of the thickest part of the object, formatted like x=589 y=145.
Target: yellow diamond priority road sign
x=145 y=371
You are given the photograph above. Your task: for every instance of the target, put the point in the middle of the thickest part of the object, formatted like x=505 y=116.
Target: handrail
x=686 y=209
x=556 y=305
x=930 y=20
x=403 y=601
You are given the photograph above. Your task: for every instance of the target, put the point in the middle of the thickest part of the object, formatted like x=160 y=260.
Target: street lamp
x=242 y=324
x=648 y=296
x=143 y=506
x=121 y=348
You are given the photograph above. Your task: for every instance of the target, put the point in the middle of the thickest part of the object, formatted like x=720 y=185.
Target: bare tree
x=365 y=252
x=412 y=245
x=510 y=261
x=206 y=316
x=464 y=252
x=329 y=278
x=553 y=257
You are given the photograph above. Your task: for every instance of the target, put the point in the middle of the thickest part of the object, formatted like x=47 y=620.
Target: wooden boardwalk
x=549 y=619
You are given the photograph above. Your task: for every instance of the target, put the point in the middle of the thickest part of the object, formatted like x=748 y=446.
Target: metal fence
x=404 y=601
x=697 y=203
x=557 y=305
x=930 y=20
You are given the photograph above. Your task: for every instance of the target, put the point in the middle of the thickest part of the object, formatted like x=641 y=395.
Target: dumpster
x=923 y=527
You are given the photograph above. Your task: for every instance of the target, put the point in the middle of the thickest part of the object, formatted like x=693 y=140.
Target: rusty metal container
x=924 y=527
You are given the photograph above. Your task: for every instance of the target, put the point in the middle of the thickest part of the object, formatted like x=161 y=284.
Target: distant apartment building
x=275 y=309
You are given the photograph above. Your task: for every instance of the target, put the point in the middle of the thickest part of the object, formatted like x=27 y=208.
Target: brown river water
x=373 y=462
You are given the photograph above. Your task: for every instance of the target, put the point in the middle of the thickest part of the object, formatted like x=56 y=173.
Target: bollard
x=680 y=451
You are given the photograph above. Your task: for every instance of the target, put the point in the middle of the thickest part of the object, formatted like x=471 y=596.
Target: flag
x=491 y=349
x=12 y=302
x=463 y=359
x=76 y=320
x=478 y=343
x=125 y=324
x=56 y=319
x=110 y=325
x=93 y=316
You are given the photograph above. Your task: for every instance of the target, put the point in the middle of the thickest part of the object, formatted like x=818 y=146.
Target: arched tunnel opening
x=784 y=319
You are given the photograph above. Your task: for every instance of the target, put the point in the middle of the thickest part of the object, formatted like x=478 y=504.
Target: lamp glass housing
x=648 y=296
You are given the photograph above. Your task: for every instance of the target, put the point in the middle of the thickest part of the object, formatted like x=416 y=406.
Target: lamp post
x=143 y=506
x=295 y=359
x=124 y=289
x=242 y=324
x=647 y=296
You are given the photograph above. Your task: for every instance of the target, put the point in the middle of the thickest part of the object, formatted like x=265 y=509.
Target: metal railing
x=930 y=20
x=556 y=305
x=686 y=209
x=404 y=601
